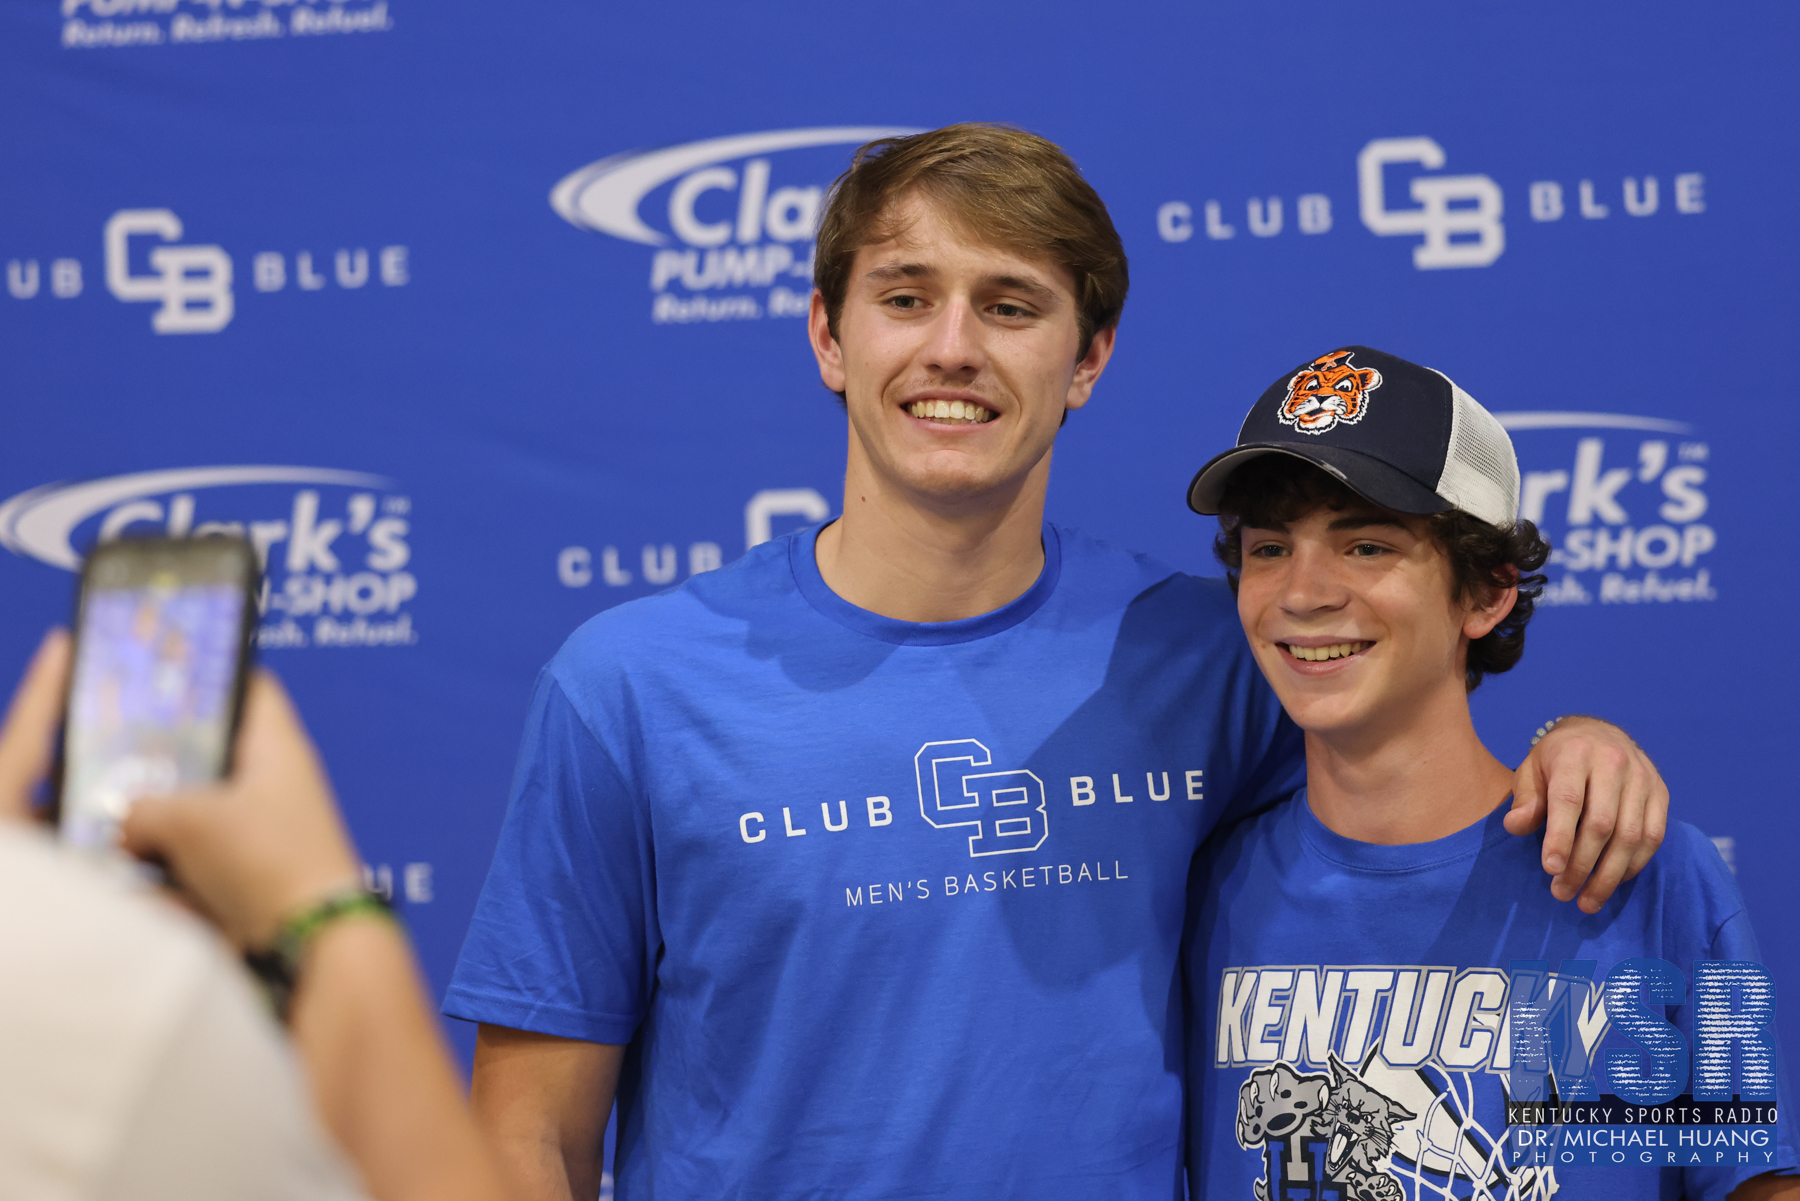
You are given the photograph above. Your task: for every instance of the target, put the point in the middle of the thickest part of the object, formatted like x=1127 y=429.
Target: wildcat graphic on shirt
x=1331 y=1137
x=1291 y=1116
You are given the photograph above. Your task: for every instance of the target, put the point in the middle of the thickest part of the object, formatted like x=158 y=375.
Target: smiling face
x=1353 y=616
x=957 y=361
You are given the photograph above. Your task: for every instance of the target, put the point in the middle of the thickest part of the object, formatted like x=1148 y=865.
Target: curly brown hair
x=1277 y=489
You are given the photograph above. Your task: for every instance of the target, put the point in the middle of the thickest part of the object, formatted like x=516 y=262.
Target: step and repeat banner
x=480 y=318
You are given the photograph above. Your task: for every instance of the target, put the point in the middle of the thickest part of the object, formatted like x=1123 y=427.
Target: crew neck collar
x=803 y=558
x=1377 y=859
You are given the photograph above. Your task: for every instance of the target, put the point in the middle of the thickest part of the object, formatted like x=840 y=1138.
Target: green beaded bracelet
x=278 y=965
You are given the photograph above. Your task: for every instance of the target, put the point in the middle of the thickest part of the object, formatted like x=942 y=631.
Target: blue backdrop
x=482 y=317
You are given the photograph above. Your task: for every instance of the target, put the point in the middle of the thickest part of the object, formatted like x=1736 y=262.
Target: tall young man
x=1356 y=1032
x=858 y=867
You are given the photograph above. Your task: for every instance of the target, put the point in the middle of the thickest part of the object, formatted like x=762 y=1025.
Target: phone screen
x=155 y=686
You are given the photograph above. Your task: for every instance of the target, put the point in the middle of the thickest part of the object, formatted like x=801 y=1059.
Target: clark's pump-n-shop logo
x=97 y=24
x=1623 y=500
x=732 y=218
x=334 y=544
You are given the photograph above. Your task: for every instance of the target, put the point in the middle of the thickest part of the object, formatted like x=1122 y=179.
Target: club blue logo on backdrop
x=1622 y=501
x=334 y=549
x=92 y=24
x=767 y=510
x=195 y=285
x=1460 y=219
x=1004 y=812
x=1468 y=235
x=738 y=219
x=192 y=283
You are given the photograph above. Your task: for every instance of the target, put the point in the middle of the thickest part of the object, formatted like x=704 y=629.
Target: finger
x=1608 y=874
x=28 y=738
x=1565 y=780
x=148 y=829
x=163 y=830
x=280 y=760
x=1599 y=817
x=271 y=737
x=1656 y=825
x=1527 y=812
x=1628 y=833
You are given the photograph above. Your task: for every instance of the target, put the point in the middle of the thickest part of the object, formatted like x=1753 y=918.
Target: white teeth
x=966 y=412
x=1319 y=654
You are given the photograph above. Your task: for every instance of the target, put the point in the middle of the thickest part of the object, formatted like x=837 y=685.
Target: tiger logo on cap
x=1328 y=391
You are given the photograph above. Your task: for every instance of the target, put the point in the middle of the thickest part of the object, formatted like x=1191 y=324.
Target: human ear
x=1087 y=371
x=1481 y=615
x=825 y=347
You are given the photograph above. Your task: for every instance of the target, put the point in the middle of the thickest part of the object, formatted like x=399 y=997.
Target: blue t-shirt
x=884 y=909
x=1306 y=945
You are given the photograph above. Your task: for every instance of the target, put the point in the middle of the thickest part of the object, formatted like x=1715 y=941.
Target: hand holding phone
x=262 y=845
x=162 y=644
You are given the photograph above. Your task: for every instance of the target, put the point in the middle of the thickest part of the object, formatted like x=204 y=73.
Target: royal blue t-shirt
x=884 y=909
x=1349 y=1002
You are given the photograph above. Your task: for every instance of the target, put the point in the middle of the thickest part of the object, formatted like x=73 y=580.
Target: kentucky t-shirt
x=884 y=909
x=1349 y=1037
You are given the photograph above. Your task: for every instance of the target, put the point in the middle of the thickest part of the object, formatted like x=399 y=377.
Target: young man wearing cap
x=1362 y=952
x=874 y=845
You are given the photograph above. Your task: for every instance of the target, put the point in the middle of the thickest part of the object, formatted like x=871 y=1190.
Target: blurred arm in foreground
x=267 y=844
x=103 y=973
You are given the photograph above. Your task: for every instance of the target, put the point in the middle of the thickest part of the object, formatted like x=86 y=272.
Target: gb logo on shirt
x=1004 y=811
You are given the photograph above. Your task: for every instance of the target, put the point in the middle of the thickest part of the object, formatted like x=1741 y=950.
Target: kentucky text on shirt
x=1528 y=1022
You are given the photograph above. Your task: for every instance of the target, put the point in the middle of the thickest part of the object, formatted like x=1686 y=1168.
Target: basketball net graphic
x=1445 y=1152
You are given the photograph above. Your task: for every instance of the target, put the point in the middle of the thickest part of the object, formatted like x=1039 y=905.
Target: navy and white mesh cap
x=1398 y=434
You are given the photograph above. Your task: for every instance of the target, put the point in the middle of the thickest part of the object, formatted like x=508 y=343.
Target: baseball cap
x=1398 y=434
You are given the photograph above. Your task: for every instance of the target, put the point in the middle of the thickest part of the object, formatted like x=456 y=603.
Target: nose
x=1311 y=586
x=957 y=343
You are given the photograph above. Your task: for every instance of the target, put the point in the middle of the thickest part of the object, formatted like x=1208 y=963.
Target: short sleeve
x=565 y=934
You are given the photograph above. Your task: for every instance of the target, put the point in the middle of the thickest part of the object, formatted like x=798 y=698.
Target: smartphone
x=162 y=650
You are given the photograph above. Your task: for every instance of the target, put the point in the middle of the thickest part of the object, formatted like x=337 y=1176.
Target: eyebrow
x=1025 y=284
x=1022 y=283
x=1360 y=521
x=1350 y=521
x=895 y=271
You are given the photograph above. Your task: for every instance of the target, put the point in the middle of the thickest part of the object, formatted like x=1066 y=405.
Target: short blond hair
x=1009 y=188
